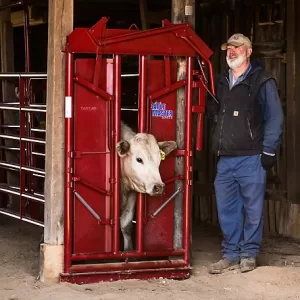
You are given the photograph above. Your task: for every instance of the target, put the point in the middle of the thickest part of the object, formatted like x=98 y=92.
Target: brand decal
x=160 y=110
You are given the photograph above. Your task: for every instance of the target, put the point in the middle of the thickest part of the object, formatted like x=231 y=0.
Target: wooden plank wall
x=265 y=24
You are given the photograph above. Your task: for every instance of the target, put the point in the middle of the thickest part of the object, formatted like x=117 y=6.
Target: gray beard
x=236 y=63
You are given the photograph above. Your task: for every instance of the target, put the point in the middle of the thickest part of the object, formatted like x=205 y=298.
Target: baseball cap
x=237 y=39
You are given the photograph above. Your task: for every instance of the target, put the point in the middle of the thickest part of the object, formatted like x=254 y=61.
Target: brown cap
x=237 y=39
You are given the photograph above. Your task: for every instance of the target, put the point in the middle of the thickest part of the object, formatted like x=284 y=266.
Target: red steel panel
x=91 y=140
x=167 y=40
x=158 y=232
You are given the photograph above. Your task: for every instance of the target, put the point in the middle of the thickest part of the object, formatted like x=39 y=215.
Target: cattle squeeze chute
x=96 y=240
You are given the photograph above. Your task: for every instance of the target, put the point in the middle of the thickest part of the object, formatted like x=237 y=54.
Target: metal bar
x=25 y=219
x=9 y=148
x=38 y=130
x=87 y=206
x=38 y=175
x=188 y=161
x=32 y=109
x=9 y=190
x=4 y=212
x=130 y=75
x=9 y=103
x=116 y=161
x=25 y=139
x=9 y=107
x=171 y=180
x=98 y=91
x=28 y=220
x=33 y=140
x=130 y=109
x=23 y=145
x=165 y=203
x=31 y=197
x=23 y=75
x=10 y=165
x=91 y=186
x=38 y=154
x=167 y=90
x=124 y=255
x=31 y=169
x=38 y=105
x=26 y=37
x=68 y=219
x=128 y=266
x=9 y=126
x=97 y=70
x=142 y=128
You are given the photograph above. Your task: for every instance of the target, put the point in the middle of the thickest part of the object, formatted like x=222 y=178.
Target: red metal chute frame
x=92 y=122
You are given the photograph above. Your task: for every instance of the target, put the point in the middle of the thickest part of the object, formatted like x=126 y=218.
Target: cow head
x=140 y=160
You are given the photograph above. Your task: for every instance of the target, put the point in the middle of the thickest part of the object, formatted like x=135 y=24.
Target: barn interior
x=271 y=26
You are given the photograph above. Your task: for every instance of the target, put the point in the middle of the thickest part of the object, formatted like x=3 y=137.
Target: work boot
x=223 y=265
x=247 y=264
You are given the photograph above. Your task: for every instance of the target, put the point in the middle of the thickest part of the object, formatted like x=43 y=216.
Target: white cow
x=140 y=157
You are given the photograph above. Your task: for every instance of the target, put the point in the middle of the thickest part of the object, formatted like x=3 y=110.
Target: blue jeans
x=240 y=189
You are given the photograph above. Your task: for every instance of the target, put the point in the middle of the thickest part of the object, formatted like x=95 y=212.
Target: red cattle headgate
x=93 y=107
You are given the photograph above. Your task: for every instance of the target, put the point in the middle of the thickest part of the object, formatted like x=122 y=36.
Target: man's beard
x=237 y=62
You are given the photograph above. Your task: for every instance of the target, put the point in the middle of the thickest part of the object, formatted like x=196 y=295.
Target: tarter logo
x=159 y=110
x=88 y=108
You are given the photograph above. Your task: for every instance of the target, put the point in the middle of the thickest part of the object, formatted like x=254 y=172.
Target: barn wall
x=265 y=24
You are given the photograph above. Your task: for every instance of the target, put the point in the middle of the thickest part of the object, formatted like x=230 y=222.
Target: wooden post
x=182 y=11
x=293 y=103
x=59 y=26
x=289 y=216
x=8 y=94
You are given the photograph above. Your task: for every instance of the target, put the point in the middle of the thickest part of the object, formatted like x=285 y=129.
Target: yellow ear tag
x=162 y=155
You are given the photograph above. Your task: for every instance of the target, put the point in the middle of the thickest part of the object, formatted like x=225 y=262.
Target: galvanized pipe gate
x=93 y=106
x=22 y=138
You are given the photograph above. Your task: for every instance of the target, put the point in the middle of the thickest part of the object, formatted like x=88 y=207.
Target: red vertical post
x=116 y=168
x=22 y=144
x=188 y=160
x=68 y=161
x=200 y=120
x=142 y=127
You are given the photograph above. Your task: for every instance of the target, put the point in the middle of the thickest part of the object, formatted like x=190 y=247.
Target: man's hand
x=268 y=160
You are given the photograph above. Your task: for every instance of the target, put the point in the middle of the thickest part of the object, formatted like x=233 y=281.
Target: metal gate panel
x=92 y=159
x=158 y=230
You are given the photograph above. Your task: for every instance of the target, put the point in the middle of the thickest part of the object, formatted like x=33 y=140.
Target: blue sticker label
x=160 y=110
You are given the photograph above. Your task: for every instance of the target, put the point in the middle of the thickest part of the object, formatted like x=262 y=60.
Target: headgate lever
x=165 y=203
x=206 y=81
x=87 y=206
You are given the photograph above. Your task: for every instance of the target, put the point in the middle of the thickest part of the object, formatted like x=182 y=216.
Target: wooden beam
x=17 y=18
x=293 y=103
x=182 y=11
x=143 y=14
x=60 y=25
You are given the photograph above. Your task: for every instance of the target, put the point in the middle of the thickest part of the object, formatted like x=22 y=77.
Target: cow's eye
x=139 y=160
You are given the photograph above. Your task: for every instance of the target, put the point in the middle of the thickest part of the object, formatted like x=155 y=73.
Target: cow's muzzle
x=158 y=188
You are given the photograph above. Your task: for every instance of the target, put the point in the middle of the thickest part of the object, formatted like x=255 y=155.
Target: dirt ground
x=277 y=277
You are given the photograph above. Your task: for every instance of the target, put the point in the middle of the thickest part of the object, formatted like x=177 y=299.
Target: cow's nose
x=158 y=188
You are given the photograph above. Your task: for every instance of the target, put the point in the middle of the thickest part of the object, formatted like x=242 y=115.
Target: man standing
x=247 y=131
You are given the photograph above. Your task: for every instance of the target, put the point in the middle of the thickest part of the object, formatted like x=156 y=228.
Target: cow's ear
x=123 y=148
x=167 y=146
